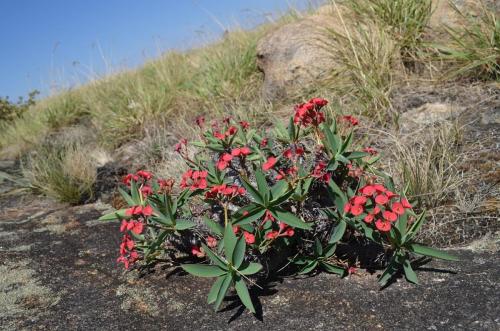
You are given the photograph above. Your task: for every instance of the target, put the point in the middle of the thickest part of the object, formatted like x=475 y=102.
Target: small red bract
x=270 y=163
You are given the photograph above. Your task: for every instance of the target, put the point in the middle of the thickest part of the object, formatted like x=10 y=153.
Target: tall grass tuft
x=405 y=19
x=62 y=169
x=474 y=47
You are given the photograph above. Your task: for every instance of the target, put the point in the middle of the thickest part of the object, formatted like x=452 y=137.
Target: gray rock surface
x=58 y=272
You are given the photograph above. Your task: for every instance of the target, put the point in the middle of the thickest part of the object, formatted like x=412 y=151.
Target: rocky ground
x=58 y=272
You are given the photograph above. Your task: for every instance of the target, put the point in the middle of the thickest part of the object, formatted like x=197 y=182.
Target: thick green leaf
x=214 y=290
x=203 y=270
x=135 y=193
x=118 y=214
x=262 y=186
x=250 y=268
x=415 y=227
x=252 y=216
x=309 y=267
x=127 y=197
x=243 y=294
x=357 y=155
x=389 y=272
x=183 y=224
x=329 y=250
x=291 y=129
x=318 y=248
x=328 y=267
x=290 y=219
x=223 y=290
x=213 y=226
x=411 y=276
x=338 y=232
x=239 y=252
x=254 y=193
x=432 y=252
x=214 y=257
x=229 y=241
x=346 y=143
x=279 y=189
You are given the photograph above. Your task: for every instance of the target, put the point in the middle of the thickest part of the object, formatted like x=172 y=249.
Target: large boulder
x=293 y=56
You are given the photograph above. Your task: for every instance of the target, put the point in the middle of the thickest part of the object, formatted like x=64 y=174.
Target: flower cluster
x=308 y=113
x=377 y=203
x=194 y=179
x=224 y=191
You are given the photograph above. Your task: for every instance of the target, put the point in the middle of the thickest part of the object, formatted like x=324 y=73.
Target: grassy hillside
x=379 y=47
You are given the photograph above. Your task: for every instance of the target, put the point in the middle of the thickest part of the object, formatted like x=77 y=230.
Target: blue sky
x=53 y=44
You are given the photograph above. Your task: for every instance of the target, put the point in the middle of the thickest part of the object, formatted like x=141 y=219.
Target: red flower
x=382 y=225
x=224 y=161
x=405 y=203
x=231 y=131
x=236 y=229
x=200 y=121
x=370 y=150
x=146 y=190
x=245 y=125
x=268 y=216
x=319 y=102
x=308 y=113
x=178 y=147
x=211 y=242
x=347 y=207
x=369 y=218
x=197 y=251
x=138 y=227
x=272 y=235
x=367 y=190
x=249 y=238
x=358 y=200
x=398 y=208
x=147 y=211
x=219 y=135
x=194 y=180
x=381 y=199
x=390 y=216
x=356 y=210
x=289 y=232
x=243 y=151
x=263 y=142
x=144 y=174
x=379 y=188
x=126 y=180
x=288 y=153
x=269 y=164
x=351 y=119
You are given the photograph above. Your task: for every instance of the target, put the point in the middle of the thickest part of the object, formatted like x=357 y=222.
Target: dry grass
x=63 y=168
x=428 y=165
x=474 y=47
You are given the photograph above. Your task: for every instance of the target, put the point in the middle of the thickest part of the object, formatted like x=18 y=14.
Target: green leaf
x=229 y=241
x=389 y=272
x=346 y=143
x=328 y=267
x=410 y=275
x=239 y=252
x=309 y=267
x=357 y=155
x=279 y=189
x=250 y=268
x=135 y=193
x=252 y=216
x=318 y=248
x=262 y=186
x=243 y=294
x=432 y=252
x=291 y=129
x=214 y=290
x=213 y=226
x=339 y=197
x=252 y=191
x=117 y=214
x=415 y=227
x=183 y=224
x=214 y=257
x=329 y=250
x=127 y=197
x=290 y=219
x=223 y=290
x=338 y=232
x=203 y=270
